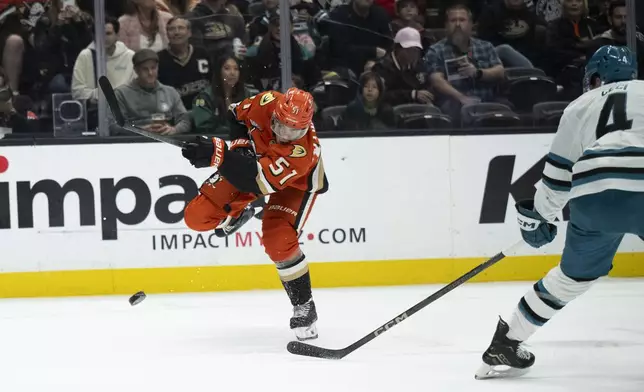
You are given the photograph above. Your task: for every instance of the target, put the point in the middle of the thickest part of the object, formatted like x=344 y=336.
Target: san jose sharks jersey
x=599 y=146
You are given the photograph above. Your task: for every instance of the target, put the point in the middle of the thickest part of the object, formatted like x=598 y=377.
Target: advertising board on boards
x=419 y=204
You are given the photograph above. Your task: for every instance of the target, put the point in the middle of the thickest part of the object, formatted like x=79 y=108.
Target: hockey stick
x=299 y=348
x=110 y=97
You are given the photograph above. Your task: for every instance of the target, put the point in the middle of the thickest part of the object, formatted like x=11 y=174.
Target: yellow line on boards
x=254 y=277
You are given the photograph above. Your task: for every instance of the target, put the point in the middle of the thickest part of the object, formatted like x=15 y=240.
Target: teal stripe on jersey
x=613 y=151
x=561 y=187
x=605 y=175
x=561 y=160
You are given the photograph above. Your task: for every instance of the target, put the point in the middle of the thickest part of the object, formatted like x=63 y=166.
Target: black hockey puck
x=137 y=298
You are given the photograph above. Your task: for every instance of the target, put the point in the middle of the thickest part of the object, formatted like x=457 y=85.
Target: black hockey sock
x=299 y=290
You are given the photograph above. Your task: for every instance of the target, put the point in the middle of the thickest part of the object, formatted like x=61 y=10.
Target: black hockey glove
x=205 y=152
x=243 y=146
x=535 y=230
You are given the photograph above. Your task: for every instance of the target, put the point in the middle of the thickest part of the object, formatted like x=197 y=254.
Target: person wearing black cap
x=147 y=102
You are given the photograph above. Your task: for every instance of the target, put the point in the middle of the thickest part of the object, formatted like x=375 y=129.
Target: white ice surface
x=225 y=342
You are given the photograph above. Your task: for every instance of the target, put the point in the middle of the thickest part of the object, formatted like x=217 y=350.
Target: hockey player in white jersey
x=596 y=164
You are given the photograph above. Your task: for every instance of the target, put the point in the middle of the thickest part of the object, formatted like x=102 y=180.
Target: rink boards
x=107 y=218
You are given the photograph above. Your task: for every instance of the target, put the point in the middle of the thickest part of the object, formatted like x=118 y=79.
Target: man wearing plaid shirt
x=463 y=70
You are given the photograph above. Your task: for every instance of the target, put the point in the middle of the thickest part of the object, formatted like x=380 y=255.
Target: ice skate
x=505 y=357
x=231 y=225
x=303 y=321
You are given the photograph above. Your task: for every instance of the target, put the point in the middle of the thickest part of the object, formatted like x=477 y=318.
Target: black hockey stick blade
x=110 y=98
x=307 y=350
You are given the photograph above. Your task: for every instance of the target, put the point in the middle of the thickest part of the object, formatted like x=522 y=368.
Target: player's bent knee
x=563 y=287
x=197 y=217
x=195 y=221
x=282 y=249
x=280 y=240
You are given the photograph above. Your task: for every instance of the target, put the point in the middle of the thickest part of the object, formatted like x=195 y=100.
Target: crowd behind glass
x=370 y=64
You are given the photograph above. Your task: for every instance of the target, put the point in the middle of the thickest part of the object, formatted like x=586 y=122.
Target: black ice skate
x=303 y=321
x=504 y=357
x=231 y=225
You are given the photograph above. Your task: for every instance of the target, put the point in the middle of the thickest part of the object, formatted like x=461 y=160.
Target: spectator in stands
x=259 y=26
x=407 y=16
x=34 y=30
x=359 y=32
x=10 y=118
x=183 y=66
x=144 y=26
x=313 y=14
x=512 y=28
x=176 y=7
x=368 y=111
x=368 y=66
x=568 y=42
x=12 y=57
x=569 y=36
x=210 y=108
x=388 y=5
x=616 y=35
x=54 y=40
x=264 y=60
x=549 y=10
x=12 y=44
x=305 y=29
x=463 y=70
x=14 y=28
x=119 y=64
x=475 y=7
x=114 y=8
x=601 y=15
x=218 y=29
x=403 y=72
x=150 y=104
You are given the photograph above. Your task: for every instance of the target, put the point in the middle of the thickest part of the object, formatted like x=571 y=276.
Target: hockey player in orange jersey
x=273 y=151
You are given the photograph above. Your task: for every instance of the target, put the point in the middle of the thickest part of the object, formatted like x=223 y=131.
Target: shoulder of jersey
x=585 y=99
x=267 y=97
x=589 y=97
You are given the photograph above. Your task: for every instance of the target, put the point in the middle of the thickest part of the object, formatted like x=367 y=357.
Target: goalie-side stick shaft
x=299 y=348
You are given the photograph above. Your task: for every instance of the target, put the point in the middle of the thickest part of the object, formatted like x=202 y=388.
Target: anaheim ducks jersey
x=297 y=164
